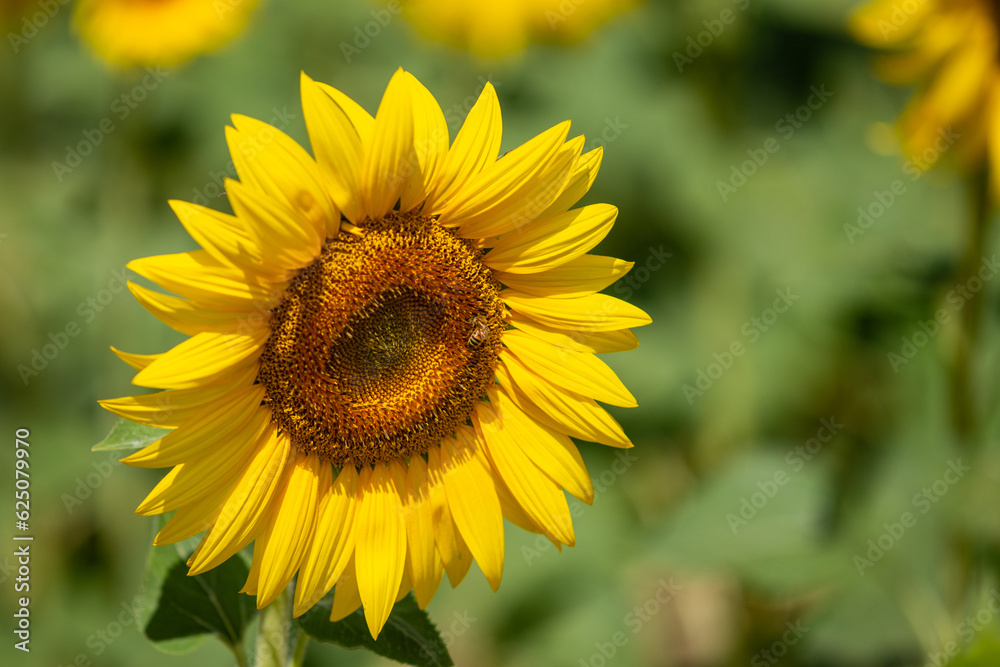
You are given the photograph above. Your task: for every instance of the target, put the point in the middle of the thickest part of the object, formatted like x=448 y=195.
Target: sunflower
x=159 y=32
x=949 y=48
x=390 y=347
x=499 y=27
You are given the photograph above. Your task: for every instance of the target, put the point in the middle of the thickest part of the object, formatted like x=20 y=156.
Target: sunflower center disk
x=381 y=347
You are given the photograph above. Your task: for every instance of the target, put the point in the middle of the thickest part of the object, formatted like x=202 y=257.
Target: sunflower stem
x=274 y=636
x=299 y=656
x=237 y=649
x=963 y=398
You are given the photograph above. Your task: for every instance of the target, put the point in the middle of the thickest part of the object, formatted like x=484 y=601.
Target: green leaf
x=409 y=636
x=129 y=435
x=177 y=611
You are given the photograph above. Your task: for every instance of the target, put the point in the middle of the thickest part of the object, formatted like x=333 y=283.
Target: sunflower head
x=159 y=32
x=391 y=345
x=500 y=27
x=950 y=49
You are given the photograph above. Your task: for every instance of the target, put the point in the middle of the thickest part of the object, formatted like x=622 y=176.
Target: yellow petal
x=474 y=504
x=553 y=452
x=381 y=545
x=284 y=241
x=426 y=568
x=598 y=342
x=579 y=277
x=529 y=202
x=191 y=318
x=337 y=145
x=475 y=147
x=198 y=276
x=993 y=135
x=136 y=361
x=505 y=194
x=360 y=119
x=200 y=358
x=549 y=242
x=877 y=24
x=291 y=521
x=332 y=542
x=252 y=583
x=390 y=158
x=536 y=493
x=170 y=409
x=557 y=408
x=240 y=418
x=246 y=506
x=346 y=597
x=225 y=237
x=191 y=481
x=430 y=141
x=595 y=312
x=192 y=519
x=578 y=184
x=578 y=372
x=454 y=552
x=269 y=161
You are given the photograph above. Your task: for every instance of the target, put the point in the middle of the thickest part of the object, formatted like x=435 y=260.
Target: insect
x=480 y=331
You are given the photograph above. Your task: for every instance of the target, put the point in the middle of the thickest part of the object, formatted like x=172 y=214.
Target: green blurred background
x=732 y=533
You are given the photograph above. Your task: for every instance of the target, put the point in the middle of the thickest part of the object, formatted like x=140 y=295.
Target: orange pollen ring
x=383 y=345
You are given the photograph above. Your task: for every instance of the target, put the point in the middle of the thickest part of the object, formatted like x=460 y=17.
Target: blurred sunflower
x=159 y=32
x=390 y=348
x=950 y=49
x=498 y=27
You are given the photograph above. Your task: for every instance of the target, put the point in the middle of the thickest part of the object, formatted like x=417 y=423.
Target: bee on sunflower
x=391 y=346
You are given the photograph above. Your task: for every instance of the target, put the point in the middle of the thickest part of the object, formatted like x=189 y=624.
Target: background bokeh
x=737 y=530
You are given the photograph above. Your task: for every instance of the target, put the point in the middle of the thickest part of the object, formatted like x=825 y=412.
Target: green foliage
x=178 y=610
x=408 y=637
x=129 y=435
